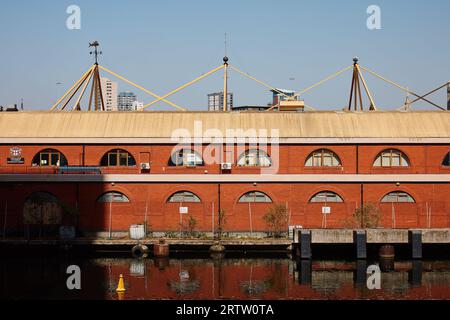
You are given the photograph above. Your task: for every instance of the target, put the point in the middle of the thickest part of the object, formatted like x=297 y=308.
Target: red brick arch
x=327 y=149
x=120 y=189
x=248 y=148
x=269 y=194
x=443 y=158
x=317 y=190
x=400 y=189
x=410 y=163
x=181 y=188
x=99 y=161
x=50 y=148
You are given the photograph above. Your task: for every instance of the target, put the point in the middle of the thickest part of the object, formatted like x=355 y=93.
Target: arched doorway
x=42 y=214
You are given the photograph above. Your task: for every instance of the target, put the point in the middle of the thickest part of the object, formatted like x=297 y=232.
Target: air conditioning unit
x=145 y=166
x=225 y=166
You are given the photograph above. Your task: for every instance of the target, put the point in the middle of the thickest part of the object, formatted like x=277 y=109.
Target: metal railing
x=68 y=170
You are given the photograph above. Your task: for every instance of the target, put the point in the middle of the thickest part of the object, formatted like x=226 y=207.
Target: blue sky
x=163 y=44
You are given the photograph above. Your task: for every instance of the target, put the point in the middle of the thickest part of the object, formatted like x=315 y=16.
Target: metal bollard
x=360 y=242
x=415 y=241
x=305 y=244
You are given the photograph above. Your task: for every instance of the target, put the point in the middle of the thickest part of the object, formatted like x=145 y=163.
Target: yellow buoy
x=121 y=286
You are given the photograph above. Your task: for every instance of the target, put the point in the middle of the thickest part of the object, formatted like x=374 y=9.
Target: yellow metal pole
x=259 y=81
x=400 y=87
x=309 y=107
x=184 y=86
x=351 y=91
x=70 y=90
x=74 y=93
x=323 y=81
x=225 y=84
x=100 y=89
x=96 y=90
x=273 y=107
x=384 y=79
x=372 y=102
x=358 y=94
x=77 y=103
x=141 y=88
x=92 y=92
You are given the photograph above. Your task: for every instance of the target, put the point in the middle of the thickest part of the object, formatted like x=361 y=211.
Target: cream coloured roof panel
x=329 y=124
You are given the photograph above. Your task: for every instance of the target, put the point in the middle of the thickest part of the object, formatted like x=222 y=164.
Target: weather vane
x=95 y=44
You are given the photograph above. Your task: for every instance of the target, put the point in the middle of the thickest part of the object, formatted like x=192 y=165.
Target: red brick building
x=120 y=169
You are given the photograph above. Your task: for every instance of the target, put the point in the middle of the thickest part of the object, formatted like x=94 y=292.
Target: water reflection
x=254 y=288
x=222 y=278
x=187 y=282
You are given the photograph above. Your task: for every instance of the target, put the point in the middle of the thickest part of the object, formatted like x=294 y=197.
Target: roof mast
x=225 y=80
x=355 y=91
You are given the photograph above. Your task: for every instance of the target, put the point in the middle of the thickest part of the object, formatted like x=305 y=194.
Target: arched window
x=186 y=158
x=391 y=158
x=323 y=158
x=255 y=196
x=398 y=197
x=446 y=162
x=184 y=197
x=42 y=197
x=118 y=158
x=326 y=196
x=49 y=158
x=254 y=158
x=113 y=196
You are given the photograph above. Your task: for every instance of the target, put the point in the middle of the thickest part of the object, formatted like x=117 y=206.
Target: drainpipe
x=357 y=159
x=84 y=156
x=219 y=203
x=4 y=222
x=362 y=205
x=219 y=206
x=77 y=218
x=361 y=187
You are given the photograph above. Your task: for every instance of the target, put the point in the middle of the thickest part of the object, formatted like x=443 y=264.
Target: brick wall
x=431 y=199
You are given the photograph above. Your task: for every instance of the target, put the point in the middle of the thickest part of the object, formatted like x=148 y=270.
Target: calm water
x=226 y=278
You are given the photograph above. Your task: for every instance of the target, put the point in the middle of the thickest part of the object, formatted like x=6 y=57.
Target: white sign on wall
x=326 y=210
x=184 y=210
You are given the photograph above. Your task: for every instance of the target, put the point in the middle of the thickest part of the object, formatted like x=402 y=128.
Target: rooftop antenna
x=226 y=44
x=225 y=82
x=96 y=89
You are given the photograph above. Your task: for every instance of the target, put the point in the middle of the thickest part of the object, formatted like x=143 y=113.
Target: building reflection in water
x=223 y=278
x=186 y=282
x=254 y=288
